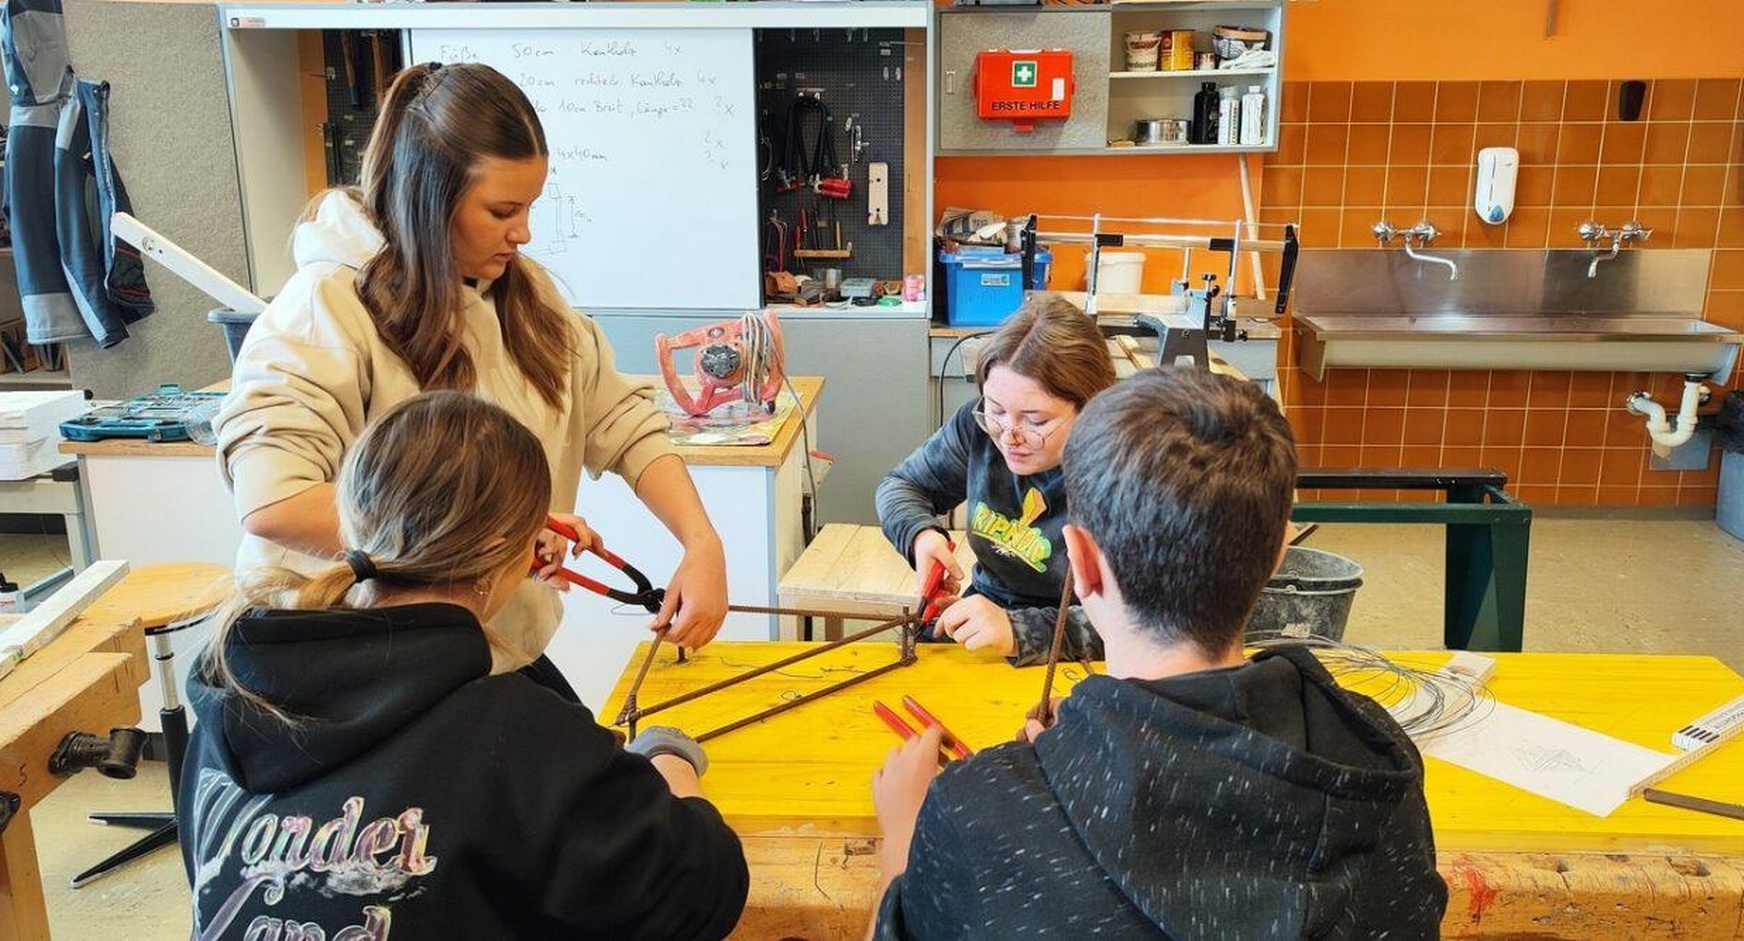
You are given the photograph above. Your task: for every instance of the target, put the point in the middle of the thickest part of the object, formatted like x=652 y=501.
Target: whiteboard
x=651 y=201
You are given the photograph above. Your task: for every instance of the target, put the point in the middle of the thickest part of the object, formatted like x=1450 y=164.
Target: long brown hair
x=445 y=489
x=1051 y=341
x=437 y=123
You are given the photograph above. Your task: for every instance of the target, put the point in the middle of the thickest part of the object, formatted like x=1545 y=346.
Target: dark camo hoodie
x=1014 y=530
x=1261 y=801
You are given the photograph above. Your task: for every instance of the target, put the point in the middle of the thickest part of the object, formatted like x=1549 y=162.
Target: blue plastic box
x=985 y=286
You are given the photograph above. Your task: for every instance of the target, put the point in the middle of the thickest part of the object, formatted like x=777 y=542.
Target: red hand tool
x=645 y=595
x=952 y=741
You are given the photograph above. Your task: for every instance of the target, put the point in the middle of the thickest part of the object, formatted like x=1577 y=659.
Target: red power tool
x=736 y=360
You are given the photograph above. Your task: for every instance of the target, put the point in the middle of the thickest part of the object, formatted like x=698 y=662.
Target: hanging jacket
x=75 y=279
x=1261 y=801
x=419 y=792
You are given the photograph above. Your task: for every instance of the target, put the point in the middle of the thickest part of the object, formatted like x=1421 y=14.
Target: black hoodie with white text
x=418 y=796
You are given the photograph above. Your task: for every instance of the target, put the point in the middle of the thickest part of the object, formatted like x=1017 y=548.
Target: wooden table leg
x=23 y=912
x=832 y=628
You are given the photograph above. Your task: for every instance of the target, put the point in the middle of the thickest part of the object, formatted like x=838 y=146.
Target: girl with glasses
x=1000 y=454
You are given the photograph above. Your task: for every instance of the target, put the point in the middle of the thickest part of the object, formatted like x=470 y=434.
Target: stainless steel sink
x=1511 y=310
x=1530 y=341
x=1481 y=327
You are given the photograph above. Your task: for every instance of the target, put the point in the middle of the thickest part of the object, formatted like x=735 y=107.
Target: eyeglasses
x=1030 y=435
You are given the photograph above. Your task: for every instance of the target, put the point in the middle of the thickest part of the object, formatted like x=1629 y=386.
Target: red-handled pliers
x=929 y=593
x=645 y=595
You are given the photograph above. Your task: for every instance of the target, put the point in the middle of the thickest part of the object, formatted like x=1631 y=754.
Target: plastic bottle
x=1253 y=117
x=1228 y=117
x=1204 y=130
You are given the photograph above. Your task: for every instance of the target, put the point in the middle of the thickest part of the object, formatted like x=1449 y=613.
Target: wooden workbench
x=85 y=680
x=1516 y=864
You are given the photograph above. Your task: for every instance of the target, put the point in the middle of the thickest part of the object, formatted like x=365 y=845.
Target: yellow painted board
x=809 y=770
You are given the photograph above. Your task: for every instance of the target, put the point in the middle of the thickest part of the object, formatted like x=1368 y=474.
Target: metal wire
x=1425 y=703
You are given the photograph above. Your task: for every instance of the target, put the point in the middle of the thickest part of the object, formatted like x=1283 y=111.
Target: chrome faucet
x=1593 y=233
x=1423 y=233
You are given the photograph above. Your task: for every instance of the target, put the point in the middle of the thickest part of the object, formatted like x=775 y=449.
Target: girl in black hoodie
x=368 y=761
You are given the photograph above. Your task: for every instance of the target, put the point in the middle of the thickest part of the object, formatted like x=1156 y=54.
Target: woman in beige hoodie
x=414 y=281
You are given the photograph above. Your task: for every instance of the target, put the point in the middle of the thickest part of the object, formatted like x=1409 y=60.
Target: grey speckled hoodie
x=1255 y=802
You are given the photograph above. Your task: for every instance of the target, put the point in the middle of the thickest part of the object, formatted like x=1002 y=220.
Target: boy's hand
x=898 y=789
x=931 y=547
x=1032 y=724
x=979 y=624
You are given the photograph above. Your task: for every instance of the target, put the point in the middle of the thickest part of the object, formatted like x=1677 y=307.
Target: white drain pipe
x=1658 y=428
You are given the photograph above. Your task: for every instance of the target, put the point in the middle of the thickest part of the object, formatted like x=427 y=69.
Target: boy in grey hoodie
x=1190 y=792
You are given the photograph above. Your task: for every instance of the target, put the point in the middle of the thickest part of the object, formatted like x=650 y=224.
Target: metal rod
x=629 y=713
x=1691 y=802
x=1045 y=710
x=1148 y=221
x=773 y=711
x=753 y=674
x=1234 y=269
x=1159 y=240
x=794 y=612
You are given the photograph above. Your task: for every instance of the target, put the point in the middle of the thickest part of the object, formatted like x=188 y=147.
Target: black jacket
x=420 y=793
x=1255 y=802
x=1014 y=530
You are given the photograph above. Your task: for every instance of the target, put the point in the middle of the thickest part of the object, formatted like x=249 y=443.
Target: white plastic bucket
x=1119 y=272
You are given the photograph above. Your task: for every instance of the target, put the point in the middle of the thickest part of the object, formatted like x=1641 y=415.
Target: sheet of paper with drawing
x=1551 y=758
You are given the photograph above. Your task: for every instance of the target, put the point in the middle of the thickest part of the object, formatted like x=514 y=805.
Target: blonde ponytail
x=443 y=490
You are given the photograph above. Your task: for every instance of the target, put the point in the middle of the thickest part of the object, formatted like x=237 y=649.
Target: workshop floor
x=1595 y=585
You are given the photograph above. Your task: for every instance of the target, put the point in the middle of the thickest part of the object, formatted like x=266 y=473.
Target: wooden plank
x=816 y=888
x=822 y=888
x=23 y=912
x=82 y=638
x=44 y=624
x=134 y=447
x=855 y=569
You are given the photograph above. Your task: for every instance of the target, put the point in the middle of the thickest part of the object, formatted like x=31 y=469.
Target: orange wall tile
x=1409 y=148
x=1346 y=40
x=1388 y=106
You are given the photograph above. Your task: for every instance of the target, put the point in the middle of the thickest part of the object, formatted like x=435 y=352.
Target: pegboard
x=352 y=106
x=859 y=75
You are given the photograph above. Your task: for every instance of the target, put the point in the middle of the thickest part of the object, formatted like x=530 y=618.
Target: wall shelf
x=1193 y=73
x=1109 y=99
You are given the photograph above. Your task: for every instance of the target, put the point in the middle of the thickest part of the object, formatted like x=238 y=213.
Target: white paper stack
x=30 y=430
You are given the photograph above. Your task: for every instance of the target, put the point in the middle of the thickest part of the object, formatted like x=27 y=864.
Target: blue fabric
x=74 y=279
x=106 y=275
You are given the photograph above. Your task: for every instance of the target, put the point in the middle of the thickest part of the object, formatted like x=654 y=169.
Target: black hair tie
x=361 y=564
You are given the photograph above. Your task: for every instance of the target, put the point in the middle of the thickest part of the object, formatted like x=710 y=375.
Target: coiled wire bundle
x=1425 y=703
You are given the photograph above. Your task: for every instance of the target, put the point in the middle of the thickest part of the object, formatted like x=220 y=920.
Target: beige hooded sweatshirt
x=314 y=371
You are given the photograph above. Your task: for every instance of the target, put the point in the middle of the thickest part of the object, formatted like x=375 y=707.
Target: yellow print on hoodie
x=1015 y=537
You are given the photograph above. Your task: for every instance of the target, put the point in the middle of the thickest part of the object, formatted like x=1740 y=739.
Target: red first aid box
x=1023 y=86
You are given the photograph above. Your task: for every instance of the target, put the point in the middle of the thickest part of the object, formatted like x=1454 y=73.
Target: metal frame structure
x=908 y=624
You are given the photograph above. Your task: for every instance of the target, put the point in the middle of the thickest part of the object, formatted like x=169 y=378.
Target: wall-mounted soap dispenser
x=1498 y=168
